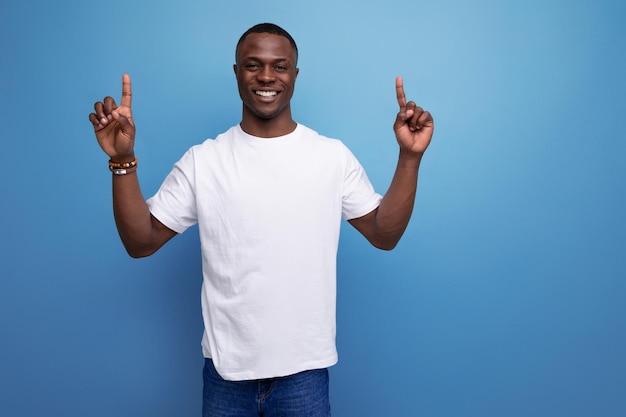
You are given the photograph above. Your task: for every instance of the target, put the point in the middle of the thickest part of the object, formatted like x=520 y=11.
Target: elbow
x=137 y=254
x=383 y=235
x=138 y=251
x=387 y=247
x=384 y=244
x=387 y=240
x=145 y=244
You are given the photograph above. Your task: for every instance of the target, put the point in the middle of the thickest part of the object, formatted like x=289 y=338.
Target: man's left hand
x=413 y=126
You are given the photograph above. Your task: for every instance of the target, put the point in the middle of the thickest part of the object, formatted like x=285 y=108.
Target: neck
x=267 y=128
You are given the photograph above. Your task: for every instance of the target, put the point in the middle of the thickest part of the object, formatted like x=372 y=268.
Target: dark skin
x=266 y=73
x=413 y=127
x=141 y=233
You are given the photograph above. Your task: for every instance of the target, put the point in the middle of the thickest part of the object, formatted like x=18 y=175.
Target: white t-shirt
x=269 y=214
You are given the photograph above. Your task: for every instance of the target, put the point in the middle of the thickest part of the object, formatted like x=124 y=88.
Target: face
x=266 y=75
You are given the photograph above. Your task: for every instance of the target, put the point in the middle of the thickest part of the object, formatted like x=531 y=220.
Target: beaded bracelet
x=122 y=164
x=123 y=168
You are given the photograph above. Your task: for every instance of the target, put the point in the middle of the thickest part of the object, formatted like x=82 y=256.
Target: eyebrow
x=276 y=60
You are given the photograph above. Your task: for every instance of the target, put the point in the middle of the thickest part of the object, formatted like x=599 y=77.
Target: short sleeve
x=359 y=197
x=174 y=204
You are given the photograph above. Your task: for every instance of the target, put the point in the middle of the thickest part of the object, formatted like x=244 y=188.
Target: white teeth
x=265 y=93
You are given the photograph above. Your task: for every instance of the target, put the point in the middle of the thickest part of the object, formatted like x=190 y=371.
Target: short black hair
x=270 y=28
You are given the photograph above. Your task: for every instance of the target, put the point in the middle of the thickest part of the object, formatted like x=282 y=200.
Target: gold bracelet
x=122 y=164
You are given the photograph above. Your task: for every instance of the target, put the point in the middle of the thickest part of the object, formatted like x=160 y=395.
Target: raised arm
x=413 y=127
x=141 y=233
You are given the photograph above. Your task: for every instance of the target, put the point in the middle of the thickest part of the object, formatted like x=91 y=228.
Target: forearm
x=384 y=226
x=393 y=214
x=132 y=216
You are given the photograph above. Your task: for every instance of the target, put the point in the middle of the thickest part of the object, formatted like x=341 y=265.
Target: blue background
x=505 y=296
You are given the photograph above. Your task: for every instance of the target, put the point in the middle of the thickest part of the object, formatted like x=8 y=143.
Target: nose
x=266 y=75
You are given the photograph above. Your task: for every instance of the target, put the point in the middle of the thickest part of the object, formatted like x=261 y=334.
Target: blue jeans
x=304 y=394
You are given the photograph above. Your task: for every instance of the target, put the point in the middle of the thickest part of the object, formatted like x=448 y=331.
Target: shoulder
x=213 y=144
x=325 y=141
x=208 y=149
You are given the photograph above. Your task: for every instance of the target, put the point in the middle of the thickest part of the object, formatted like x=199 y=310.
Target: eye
x=252 y=66
x=280 y=68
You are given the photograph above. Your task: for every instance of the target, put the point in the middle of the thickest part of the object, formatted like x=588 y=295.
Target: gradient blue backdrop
x=506 y=295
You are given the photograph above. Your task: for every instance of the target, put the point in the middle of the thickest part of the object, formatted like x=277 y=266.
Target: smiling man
x=268 y=196
x=266 y=71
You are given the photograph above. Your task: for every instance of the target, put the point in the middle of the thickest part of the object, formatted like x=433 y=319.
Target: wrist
x=122 y=159
x=122 y=168
x=409 y=159
x=122 y=171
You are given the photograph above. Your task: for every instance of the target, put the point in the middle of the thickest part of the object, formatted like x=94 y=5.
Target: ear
x=235 y=69
x=297 y=72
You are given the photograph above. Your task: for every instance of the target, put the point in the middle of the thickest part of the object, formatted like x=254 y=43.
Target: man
x=268 y=196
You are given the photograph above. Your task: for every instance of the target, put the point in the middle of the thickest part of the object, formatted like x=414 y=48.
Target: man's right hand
x=114 y=126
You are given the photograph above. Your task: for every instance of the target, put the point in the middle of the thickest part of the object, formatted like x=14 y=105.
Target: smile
x=265 y=93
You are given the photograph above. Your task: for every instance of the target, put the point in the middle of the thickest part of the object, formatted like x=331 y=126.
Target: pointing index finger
x=127 y=91
x=400 y=93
